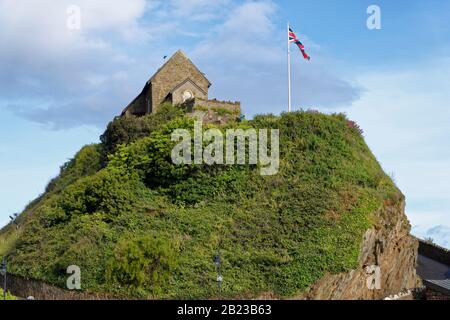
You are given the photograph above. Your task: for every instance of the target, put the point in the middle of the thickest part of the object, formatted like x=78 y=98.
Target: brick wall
x=431 y=294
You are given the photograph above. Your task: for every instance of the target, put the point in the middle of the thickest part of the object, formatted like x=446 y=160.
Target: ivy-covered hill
x=139 y=226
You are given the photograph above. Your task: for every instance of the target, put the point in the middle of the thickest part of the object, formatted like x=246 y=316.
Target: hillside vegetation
x=139 y=226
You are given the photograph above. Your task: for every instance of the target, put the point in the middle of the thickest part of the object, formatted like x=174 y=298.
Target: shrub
x=9 y=296
x=185 y=184
x=124 y=130
x=85 y=163
x=110 y=191
x=353 y=125
x=143 y=262
x=151 y=157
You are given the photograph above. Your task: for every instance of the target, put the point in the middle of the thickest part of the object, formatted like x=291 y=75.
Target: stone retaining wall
x=233 y=107
x=23 y=288
x=434 y=252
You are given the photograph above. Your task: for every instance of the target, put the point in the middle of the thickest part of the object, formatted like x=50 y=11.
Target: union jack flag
x=293 y=38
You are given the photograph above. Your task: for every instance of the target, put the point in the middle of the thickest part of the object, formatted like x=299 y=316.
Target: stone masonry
x=179 y=82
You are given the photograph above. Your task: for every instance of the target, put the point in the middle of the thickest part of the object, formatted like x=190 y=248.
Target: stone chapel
x=180 y=82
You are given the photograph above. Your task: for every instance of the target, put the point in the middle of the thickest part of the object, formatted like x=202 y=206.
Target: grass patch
x=9 y=296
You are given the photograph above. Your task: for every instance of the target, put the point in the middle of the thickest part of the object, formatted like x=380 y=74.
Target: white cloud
x=440 y=234
x=252 y=20
x=111 y=14
x=246 y=35
x=58 y=76
x=197 y=10
x=35 y=35
x=42 y=24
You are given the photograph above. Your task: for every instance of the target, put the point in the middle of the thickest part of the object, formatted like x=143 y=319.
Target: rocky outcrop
x=387 y=250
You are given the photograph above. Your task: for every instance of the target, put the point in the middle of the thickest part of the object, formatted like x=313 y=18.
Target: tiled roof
x=439 y=285
x=430 y=269
x=435 y=275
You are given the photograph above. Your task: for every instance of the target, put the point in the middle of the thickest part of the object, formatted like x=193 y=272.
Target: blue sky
x=60 y=87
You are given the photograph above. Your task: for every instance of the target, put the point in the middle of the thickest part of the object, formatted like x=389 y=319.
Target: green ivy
x=140 y=226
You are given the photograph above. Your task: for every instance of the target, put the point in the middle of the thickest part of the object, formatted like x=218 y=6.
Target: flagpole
x=289 y=68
